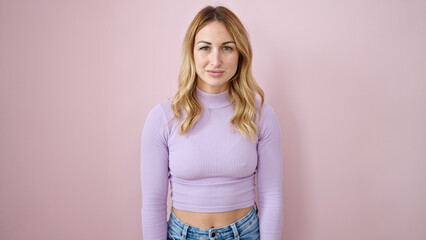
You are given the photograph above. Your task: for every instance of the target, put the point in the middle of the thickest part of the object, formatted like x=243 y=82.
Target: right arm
x=154 y=175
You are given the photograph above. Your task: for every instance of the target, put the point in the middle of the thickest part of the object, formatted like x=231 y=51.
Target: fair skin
x=216 y=61
x=215 y=56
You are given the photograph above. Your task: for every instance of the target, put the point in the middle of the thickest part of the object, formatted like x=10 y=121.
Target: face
x=215 y=56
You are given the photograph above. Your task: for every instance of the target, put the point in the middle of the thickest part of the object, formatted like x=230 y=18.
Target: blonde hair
x=242 y=86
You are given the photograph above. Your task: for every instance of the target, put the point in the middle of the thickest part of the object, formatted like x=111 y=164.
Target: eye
x=227 y=48
x=205 y=48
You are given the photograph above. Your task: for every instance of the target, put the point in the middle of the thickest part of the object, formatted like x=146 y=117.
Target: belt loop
x=235 y=230
x=184 y=231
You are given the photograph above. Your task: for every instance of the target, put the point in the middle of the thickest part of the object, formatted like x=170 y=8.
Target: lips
x=215 y=73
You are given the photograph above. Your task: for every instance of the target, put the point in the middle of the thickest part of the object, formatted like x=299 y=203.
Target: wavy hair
x=242 y=86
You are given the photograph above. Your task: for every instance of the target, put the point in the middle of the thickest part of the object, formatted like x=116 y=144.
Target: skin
x=210 y=220
x=215 y=56
x=216 y=61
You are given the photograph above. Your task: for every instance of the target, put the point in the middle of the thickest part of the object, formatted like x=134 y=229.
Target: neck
x=213 y=100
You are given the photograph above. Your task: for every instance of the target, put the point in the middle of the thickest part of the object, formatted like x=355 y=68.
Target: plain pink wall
x=346 y=78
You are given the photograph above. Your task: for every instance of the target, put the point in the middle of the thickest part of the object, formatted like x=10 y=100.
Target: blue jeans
x=246 y=228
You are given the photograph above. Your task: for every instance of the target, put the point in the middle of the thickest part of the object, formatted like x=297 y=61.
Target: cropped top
x=212 y=168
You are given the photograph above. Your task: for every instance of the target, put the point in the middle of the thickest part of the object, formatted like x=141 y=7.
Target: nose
x=215 y=59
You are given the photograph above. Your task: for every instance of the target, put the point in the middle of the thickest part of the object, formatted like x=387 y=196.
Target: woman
x=211 y=140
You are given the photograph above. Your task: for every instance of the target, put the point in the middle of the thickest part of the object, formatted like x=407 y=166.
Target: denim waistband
x=233 y=228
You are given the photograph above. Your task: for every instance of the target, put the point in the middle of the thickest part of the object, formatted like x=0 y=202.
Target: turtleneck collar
x=213 y=100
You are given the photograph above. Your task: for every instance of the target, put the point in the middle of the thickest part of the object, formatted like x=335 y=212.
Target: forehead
x=214 y=31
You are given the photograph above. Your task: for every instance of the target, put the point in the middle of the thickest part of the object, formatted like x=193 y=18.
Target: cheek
x=234 y=61
x=199 y=60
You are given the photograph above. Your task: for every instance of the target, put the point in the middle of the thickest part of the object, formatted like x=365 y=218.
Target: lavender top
x=212 y=168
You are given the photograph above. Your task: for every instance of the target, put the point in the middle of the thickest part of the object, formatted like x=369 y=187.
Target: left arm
x=269 y=176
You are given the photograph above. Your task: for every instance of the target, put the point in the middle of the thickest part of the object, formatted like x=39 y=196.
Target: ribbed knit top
x=212 y=168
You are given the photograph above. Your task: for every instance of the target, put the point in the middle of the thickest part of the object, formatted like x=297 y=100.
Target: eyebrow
x=209 y=43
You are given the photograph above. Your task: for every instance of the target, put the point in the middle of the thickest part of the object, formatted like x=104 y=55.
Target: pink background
x=346 y=78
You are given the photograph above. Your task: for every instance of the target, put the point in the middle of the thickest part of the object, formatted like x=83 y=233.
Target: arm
x=154 y=175
x=269 y=176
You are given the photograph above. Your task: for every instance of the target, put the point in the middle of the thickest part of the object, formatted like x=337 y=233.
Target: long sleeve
x=269 y=176
x=154 y=175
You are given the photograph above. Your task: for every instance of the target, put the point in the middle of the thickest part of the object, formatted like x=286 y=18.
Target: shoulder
x=161 y=111
x=157 y=121
x=267 y=111
x=268 y=118
x=159 y=116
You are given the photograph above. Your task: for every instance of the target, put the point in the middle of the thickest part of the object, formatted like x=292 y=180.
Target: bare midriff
x=210 y=220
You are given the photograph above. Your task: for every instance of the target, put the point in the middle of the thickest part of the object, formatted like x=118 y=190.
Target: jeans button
x=213 y=234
